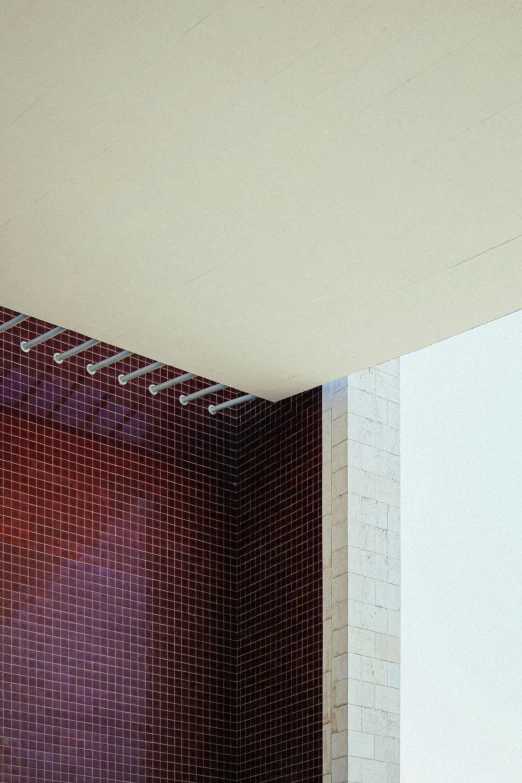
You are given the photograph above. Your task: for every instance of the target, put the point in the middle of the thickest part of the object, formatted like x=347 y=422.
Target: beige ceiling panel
x=270 y=193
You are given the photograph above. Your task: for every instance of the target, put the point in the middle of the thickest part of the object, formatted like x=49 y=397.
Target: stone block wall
x=361 y=577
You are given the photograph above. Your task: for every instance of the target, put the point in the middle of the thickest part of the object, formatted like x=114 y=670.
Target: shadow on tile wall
x=122 y=531
x=280 y=591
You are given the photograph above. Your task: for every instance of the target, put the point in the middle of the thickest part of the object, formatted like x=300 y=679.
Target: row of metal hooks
x=92 y=369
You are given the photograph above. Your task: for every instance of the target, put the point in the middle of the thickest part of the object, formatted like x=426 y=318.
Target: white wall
x=461 y=497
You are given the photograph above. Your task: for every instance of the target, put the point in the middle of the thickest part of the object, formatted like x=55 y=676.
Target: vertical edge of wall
x=361 y=576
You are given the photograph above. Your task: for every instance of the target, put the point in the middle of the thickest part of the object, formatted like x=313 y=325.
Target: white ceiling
x=267 y=193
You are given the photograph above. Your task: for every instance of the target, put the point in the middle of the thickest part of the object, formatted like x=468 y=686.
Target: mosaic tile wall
x=117 y=635
x=280 y=592
x=124 y=521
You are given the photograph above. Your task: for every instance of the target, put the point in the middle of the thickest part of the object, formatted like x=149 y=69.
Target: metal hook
x=28 y=344
x=186 y=398
x=92 y=368
x=154 y=389
x=213 y=409
x=123 y=379
x=16 y=320
x=59 y=358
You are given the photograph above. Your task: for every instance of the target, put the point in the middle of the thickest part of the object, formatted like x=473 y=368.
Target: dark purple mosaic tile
x=149 y=559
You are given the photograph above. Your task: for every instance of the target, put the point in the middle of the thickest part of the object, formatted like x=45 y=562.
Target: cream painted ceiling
x=269 y=194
